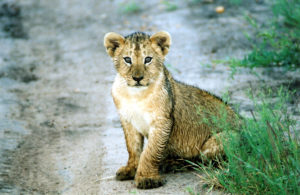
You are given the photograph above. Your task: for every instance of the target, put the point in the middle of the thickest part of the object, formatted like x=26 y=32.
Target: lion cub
x=152 y=104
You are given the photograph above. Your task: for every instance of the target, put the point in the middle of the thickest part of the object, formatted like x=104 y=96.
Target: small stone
x=220 y=9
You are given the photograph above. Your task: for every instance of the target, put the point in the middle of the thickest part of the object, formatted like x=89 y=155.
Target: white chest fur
x=132 y=109
x=134 y=113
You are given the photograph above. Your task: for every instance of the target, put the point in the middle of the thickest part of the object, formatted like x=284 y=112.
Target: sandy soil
x=59 y=130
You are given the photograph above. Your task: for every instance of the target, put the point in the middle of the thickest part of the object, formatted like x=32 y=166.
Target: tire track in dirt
x=64 y=109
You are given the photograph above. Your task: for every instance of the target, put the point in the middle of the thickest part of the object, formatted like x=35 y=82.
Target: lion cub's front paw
x=125 y=173
x=149 y=182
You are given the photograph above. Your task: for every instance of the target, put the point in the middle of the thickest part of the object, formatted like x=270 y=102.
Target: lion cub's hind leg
x=134 y=143
x=213 y=147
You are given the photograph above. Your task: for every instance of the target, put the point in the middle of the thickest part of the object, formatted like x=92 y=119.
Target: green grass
x=169 y=6
x=235 y=2
x=191 y=191
x=263 y=156
x=277 y=45
x=290 y=10
x=231 y=2
x=130 y=7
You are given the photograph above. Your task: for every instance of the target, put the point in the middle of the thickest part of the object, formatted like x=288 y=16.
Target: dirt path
x=60 y=132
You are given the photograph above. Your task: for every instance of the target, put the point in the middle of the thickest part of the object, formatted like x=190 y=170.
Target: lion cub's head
x=138 y=57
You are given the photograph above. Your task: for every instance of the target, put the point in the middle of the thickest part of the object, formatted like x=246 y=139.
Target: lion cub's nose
x=138 y=79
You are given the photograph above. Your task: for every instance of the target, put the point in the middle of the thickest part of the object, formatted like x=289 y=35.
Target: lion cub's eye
x=127 y=60
x=147 y=60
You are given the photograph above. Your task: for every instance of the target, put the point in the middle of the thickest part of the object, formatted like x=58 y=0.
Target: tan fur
x=169 y=113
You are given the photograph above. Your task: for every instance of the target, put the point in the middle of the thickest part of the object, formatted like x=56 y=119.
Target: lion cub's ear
x=161 y=42
x=113 y=41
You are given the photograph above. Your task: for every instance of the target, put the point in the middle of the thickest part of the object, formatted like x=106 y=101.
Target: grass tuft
x=130 y=7
x=263 y=157
x=235 y=2
x=279 y=44
x=169 y=6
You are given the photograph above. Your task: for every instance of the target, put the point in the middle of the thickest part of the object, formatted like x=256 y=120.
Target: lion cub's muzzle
x=138 y=79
